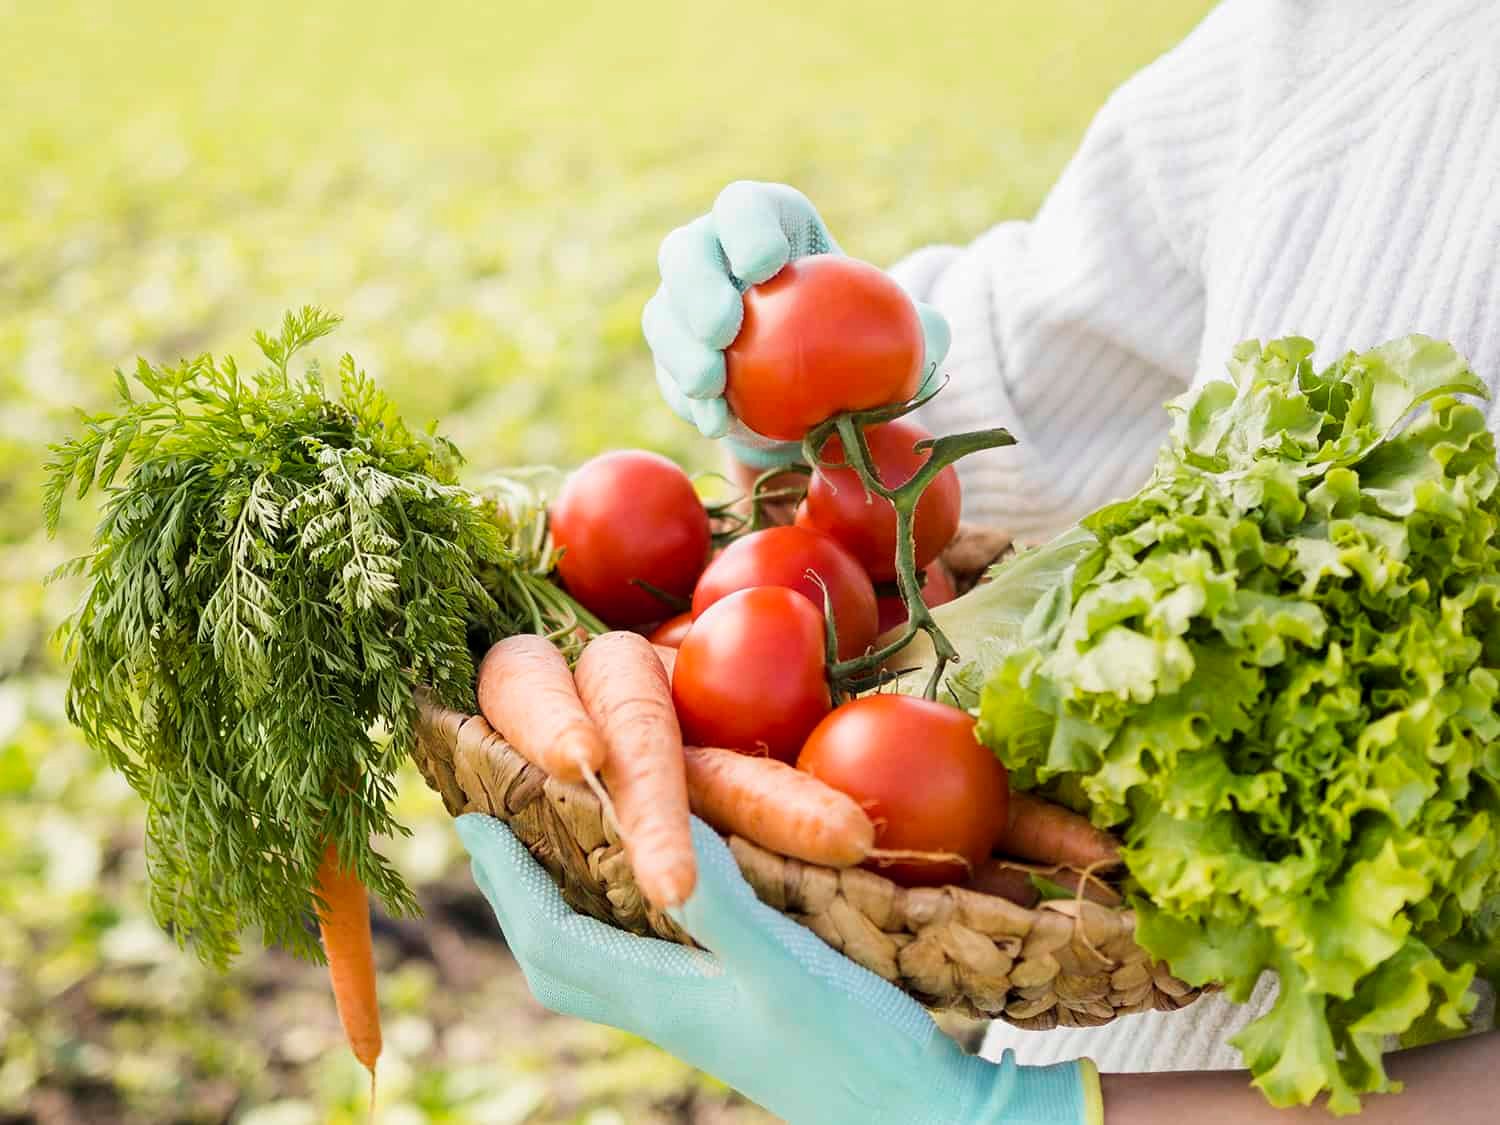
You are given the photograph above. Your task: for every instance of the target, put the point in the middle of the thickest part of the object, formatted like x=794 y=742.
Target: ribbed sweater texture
x=1324 y=168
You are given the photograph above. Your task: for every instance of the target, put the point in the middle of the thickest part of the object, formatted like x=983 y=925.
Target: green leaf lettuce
x=1274 y=671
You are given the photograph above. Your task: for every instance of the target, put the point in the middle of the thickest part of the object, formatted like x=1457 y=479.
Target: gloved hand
x=753 y=230
x=771 y=1010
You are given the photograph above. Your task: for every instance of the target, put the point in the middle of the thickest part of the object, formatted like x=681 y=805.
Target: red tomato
x=784 y=556
x=836 y=501
x=800 y=518
x=750 y=673
x=937 y=590
x=827 y=334
x=670 y=632
x=918 y=770
x=628 y=517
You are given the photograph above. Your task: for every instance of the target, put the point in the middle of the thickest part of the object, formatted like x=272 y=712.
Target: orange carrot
x=778 y=807
x=344 y=919
x=625 y=691
x=1048 y=833
x=527 y=694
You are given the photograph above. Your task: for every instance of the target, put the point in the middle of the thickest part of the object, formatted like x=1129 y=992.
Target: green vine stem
x=726 y=518
x=730 y=516
x=944 y=451
x=672 y=601
x=763 y=494
x=836 y=690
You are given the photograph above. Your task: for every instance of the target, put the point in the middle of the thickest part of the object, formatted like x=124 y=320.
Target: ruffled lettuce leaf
x=989 y=622
x=1275 y=671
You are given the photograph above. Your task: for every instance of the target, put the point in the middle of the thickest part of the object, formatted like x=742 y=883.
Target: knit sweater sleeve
x=1073 y=330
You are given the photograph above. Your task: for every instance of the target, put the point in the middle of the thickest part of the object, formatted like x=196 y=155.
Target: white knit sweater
x=1322 y=168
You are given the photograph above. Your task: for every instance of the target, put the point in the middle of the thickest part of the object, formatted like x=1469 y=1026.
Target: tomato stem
x=731 y=516
x=672 y=601
x=942 y=452
x=726 y=520
x=830 y=637
x=762 y=494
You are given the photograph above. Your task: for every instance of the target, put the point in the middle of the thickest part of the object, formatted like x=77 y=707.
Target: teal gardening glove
x=770 y=1009
x=753 y=230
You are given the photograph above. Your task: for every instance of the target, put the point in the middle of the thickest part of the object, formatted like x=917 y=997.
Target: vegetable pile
x=1275 y=669
x=1273 y=673
x=780 y=623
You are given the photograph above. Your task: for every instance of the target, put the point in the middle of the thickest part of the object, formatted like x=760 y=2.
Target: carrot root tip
x=885 y=857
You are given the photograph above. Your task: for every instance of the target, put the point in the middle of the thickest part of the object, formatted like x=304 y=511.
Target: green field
x=480 y=190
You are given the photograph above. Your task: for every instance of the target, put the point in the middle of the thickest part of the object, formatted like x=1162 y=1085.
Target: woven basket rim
x=1064 y=962
x=1069 y=908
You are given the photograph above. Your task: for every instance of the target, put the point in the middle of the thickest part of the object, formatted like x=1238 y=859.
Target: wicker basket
x=1064 y=963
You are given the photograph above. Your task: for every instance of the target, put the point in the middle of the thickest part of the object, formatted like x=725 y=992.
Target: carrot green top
x=274 y=572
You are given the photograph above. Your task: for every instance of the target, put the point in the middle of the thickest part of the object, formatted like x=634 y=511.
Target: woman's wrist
x=1456 y=1083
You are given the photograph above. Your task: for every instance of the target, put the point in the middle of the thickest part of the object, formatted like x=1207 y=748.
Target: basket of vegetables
x=1034 y=932
x=771 y=705
x=1247 y=722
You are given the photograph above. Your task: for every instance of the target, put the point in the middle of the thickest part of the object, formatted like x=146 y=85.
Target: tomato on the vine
x=750 y=674
x=937 y=590
x=826 y=335
x=837 y=502
x=789 y=556
x=625 y=520
x=918 y=770
x=670 y=632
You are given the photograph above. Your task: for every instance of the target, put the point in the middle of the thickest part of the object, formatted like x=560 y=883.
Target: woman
x=1319 y=169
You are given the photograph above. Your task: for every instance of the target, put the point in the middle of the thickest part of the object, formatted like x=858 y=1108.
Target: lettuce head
x=1275 y=672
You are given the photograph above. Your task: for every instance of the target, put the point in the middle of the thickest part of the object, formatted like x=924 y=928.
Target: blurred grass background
x=480 y=190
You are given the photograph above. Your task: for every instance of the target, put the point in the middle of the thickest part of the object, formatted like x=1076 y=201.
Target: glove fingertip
x=765 y=263
x=671 y=393
x=704 y=378
x=716 y=317
x=711 y=416
x=748 y=220
x=472 y=829
x=490 y=842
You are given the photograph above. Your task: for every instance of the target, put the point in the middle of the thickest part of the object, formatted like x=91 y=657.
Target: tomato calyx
x=847 y=675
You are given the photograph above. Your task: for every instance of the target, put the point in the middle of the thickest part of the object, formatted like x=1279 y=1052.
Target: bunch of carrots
x=611 y=724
